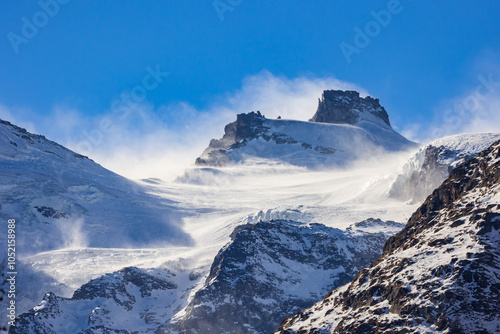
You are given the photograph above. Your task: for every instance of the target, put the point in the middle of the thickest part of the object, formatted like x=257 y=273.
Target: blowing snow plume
x=58 y=188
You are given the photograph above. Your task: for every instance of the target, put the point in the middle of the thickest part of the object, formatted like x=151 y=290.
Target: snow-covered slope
x=356 y=130
x=432 y=164
x=441 y=273
x=63 y=199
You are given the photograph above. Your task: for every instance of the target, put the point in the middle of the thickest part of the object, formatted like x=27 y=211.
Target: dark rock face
x=441 y=273
x=246 y=127
x=346 y=107
x=273 y=269
x=112 y=286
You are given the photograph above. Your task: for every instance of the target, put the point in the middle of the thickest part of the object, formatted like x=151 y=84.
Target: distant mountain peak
x=342 y=119
x=347 y=107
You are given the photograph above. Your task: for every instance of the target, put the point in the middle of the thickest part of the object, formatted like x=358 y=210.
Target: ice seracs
x=432 y=164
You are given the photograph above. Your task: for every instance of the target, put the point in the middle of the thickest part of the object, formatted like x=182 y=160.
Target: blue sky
x=427 y=56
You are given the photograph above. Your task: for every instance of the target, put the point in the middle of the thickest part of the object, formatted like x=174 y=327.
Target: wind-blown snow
x=308 y=144
x=84 y=221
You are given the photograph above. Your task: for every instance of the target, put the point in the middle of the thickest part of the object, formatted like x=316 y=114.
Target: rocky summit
x=346 y=127
x=347 y=107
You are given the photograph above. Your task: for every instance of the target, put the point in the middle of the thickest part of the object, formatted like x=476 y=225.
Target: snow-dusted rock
x=441 y=273
x=131 y=300
x=272 y=269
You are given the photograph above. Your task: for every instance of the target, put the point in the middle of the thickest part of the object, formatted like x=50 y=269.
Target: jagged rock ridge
x=131 y=300
x=272 y=269
x=347 y=107
x=441 y=273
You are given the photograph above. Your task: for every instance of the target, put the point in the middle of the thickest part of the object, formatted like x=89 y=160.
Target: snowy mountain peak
x=17 y=142
x=347 y=107
x=345 y=128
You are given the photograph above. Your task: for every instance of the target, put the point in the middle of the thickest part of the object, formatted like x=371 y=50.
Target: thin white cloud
x=19 y=117
x=279 y=96
x=477 y=109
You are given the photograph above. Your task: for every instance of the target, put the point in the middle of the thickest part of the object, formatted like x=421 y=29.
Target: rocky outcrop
x=246 y=127
x=441 y=273
x=131 y=300
x=273 y=269
x=252 y=127
x=347 y=107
